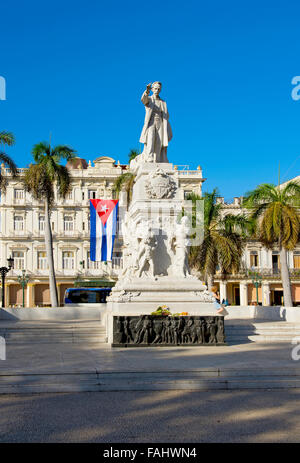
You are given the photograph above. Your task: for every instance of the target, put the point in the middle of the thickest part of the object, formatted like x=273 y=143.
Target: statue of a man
x=156 y=132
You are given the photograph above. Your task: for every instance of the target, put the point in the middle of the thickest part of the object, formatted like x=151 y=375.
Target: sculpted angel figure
x=130 y=248
x=145 y=257
x=177 y=246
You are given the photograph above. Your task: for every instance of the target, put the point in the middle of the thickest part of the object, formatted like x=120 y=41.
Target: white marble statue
x=156 y=132
x=130 y=248
x=147 y=246
x=177 y=246
x=139 y=244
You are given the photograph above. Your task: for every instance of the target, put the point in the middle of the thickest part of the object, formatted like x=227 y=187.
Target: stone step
x=135 y=381
x=290 y=327
x=53 y=334
x=260 y=332
x=98 y=339
x=260 y=339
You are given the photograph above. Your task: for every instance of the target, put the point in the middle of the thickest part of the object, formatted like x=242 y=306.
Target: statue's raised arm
x=145 y=95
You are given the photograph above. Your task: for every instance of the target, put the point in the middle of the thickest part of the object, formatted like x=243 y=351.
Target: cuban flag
x=103 y=227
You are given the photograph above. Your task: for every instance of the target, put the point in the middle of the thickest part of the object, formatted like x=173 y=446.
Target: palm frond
x=264 y=193
x=124 y=181
x=7 y=138
x=10 y=163
x=133 y=153
x=38 y=183
x=63 y=180
x=291 y=193
x=40 y=150
x=63 y=152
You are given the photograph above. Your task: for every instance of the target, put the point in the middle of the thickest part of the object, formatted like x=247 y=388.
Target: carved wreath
x=159 y=185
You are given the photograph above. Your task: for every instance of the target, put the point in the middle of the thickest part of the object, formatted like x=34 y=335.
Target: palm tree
x=126 y=180
x=8 y=139
x=223 y=241
x=39 y=180
x=132 y=155
x=274 y=209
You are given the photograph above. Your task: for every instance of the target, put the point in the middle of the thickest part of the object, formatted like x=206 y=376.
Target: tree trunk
x=210 y=282
x=285 y=278
x=49 y=251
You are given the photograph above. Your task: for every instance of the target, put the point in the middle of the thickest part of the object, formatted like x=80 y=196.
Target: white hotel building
x=22 y=222
x=22 y=237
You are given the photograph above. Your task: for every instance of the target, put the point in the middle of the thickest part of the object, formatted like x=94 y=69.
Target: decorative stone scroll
x=205 y=296
x=153 y=330
x=127 y=296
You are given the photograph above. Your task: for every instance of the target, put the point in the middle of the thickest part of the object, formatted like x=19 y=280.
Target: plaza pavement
x=237 y=416
x=66 y=362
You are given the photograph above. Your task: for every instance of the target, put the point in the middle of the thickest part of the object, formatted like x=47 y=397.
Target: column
x=266 y=293
x=223 y=290
x=7 y=294
x=58 y=285
x=30 y=295
x=243 y=293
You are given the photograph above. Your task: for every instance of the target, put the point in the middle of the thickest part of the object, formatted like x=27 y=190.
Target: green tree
x=223 y=241
x=126 y=181
x=275 y=211
x=6 y=139
x=132 y=155
x=40 y=180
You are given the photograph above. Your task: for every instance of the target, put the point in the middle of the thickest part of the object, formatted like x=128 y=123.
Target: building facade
x=239 y=289
x=22 y=225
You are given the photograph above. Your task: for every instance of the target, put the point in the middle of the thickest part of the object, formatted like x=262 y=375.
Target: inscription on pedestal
x=152 y=330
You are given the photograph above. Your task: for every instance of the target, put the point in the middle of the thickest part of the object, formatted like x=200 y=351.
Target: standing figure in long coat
x=156 y=132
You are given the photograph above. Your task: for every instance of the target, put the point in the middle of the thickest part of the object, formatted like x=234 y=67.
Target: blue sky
x=78 y=69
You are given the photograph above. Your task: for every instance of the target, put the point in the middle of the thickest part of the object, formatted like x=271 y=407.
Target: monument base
x=143 y=296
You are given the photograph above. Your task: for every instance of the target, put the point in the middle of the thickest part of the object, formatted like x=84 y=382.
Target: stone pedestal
x=155 y=254
x=141 y=297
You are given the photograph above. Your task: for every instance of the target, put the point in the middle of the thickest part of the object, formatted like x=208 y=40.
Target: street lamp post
x=23 y=280
x=256 y=281
x=3 y=272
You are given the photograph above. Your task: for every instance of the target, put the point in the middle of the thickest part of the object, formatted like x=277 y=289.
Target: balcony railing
x=20 y=171
x=274 y=272
x=117 y=263
x=189 y=173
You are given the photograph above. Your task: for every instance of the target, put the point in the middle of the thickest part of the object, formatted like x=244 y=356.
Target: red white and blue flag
x=103 y=228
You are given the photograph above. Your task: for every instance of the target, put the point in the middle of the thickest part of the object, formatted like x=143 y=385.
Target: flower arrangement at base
x=162 y=310
x=165 y=311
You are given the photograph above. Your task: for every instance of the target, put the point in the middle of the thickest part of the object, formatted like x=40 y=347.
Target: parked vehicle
x=86 y=295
